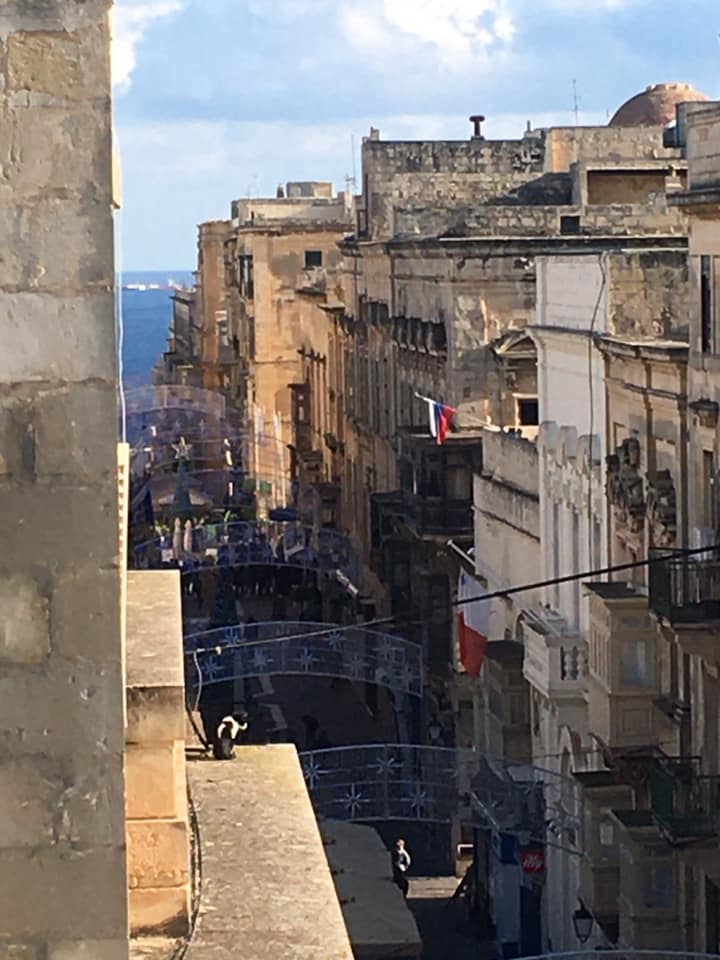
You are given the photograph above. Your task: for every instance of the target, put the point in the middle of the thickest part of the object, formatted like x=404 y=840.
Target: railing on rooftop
x=685 y=589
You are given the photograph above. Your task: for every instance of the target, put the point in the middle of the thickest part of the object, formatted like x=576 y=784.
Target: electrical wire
x=409 y=616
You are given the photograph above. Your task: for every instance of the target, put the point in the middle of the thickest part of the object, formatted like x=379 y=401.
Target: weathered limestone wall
x=157 y=815
x=427 y=173
x=567 y=145
x=703 y=146
x=648 y=294
x=63 y=888
x=508 y=220
x=211 y=268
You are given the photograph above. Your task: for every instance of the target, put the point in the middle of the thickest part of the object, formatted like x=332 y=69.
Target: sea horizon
x=147 y=317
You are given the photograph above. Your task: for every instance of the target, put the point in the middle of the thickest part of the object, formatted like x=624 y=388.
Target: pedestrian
x=311 y=728
x=401 y=865
x=228 y=735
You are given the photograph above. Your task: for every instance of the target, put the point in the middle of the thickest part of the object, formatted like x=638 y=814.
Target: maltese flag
x=439 y=416
x=473 y=623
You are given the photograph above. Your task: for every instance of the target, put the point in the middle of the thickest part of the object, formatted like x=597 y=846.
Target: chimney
x=477 y=120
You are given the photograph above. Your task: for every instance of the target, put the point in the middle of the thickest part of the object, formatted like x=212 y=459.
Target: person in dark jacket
x=401 y=865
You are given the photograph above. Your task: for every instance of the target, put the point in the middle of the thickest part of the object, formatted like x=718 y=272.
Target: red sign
x=533 y=861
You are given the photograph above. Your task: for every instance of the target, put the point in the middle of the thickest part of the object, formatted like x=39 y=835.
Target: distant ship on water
x=143 y=287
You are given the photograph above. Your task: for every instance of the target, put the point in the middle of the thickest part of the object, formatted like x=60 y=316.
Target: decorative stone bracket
x=624 y=488
x=662 y=509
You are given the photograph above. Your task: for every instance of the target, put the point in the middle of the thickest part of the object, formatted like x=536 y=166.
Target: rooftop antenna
x=575 y=104
x=351 y=181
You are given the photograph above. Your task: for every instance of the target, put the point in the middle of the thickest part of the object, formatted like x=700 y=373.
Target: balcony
x=424 y=516
x=429 y=516
x=685 y=590
x=685 y=803
x=555 y=661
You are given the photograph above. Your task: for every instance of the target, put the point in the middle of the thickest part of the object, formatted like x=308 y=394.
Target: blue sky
x=219 y=99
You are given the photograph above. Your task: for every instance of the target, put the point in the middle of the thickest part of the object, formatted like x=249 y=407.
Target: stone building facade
x=63 y=878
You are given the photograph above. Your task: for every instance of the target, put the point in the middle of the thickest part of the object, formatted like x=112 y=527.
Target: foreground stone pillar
x=62 y=831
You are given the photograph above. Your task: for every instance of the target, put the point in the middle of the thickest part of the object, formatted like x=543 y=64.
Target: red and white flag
x=473 y=623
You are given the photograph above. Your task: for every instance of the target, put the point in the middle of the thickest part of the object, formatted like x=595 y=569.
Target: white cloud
x=456 y=33
x=130 y=21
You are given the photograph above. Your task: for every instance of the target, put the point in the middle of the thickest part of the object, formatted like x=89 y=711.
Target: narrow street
x=444 y=929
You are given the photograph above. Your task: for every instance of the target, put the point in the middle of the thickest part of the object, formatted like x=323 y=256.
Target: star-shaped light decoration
x=356 y=666
x=260 y=660
x=418 y=800
x=387 y=648
x=212 y=668
x=335 y=641
x=352 y=801
x=386 y=766
x=312 y=770
x=182 y=449
x=231 y=634
x=408 y=677
x=307 y=659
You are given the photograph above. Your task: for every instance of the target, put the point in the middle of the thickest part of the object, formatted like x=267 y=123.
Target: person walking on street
x=401 y=865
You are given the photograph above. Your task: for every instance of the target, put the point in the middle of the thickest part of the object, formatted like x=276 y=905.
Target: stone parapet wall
x=703 y=146
x=512 y=459
x=507 y=220
x=156 y=801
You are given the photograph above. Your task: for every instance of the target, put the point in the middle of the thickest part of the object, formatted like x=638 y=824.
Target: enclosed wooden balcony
x=685 y=590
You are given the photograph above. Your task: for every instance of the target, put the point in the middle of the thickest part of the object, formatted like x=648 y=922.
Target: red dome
x=655 y=106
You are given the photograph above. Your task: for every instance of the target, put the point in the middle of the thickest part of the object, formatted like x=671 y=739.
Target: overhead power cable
x=409 y=615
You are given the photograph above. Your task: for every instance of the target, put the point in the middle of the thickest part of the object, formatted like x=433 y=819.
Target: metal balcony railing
x=685 y=589
x=685 y=803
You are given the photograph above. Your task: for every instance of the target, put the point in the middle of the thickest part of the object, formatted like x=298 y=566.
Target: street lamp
x=583 y=922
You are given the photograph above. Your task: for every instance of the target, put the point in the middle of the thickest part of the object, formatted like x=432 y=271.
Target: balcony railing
x=430 y=516
x=685 y=589
x=685 y=803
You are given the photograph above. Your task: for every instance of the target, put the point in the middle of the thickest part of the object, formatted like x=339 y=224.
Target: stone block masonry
x=63 y=873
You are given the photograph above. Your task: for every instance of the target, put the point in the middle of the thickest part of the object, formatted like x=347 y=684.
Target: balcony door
x=712 y=916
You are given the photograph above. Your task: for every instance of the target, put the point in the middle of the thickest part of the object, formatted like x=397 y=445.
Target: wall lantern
x=583 y=922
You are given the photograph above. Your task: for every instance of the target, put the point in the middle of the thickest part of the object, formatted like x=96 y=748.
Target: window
x=246 y=280
x=636 y=668
x=597 y=544
x=570 y=225
x=527 y=411
x=313 y=258
x=706 y=304
x=659 y=893
x=607 y=833
x=576 y=566
x=709 y=511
